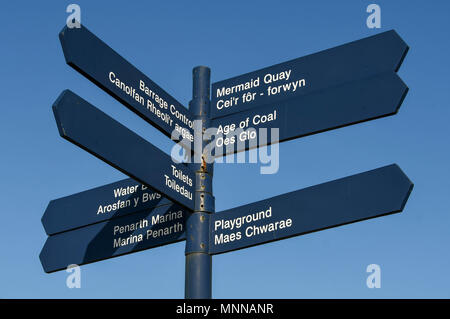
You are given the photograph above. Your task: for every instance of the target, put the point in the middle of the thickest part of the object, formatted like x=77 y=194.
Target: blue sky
x=166 y=40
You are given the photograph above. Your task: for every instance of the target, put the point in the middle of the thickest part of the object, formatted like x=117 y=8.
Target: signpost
x=131 y=233
x=381 y=53
x=100 y=204
x=345 y=85
x=86 y=126
x=346 y=104
x=102 y=65
x=343 y=201
x=164 y=202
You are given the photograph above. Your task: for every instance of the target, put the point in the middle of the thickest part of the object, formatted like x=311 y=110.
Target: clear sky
x=165 y=40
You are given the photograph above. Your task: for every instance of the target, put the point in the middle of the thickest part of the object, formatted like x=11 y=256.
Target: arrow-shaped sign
x=349 y=103
x=102 y=65
x=89 y=128
x=347 y=200
x=381 y=53
x=337 y=87
x=147 y=229
x=99 y=204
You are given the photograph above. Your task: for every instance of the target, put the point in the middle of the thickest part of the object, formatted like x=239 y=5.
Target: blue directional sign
x=355 y=198
x=89 y=128
x=102 y=65
x=349 y=103
x=381 y=53
x=99 y=204
x=131 y=233
x=338 y=87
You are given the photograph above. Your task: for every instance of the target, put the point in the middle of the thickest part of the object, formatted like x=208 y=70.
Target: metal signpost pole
x=198 y=260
